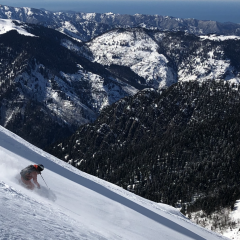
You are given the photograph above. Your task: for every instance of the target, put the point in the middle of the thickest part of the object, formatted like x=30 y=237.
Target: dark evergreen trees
x=178 y=144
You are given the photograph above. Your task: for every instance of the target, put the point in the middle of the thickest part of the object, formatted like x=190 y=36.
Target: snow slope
x=135 y=49
x=233 y=232
x=78 y=206
x=7 y=25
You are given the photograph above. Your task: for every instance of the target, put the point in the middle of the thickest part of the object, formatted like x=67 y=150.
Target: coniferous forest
x=177 y=144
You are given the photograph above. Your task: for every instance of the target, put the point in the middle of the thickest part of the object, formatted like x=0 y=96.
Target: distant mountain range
x=164 y=58
x=85 y=26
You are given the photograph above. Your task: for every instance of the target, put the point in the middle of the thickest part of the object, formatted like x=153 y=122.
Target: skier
x=31 y=172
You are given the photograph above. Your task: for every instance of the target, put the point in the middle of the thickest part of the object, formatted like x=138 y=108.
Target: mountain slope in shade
x=48 y=87
x=78 y=206
x=50 y=84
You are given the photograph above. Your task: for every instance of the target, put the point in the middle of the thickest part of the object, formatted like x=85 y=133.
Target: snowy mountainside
x=47 y=80
x=225 y=221
x=84 y=206
x=85 y=26
x=215 y=37
x=166 y=145
x=158 y=59
x=163 y=58
x=66 y=83
x=136 y=50
x=7 y=25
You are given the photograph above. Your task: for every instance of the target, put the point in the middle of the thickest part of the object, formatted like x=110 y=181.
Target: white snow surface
x=207 y=68
x=7 y=25
x=78 y=206
x=69 y=29
x=219 y=38
x=234 y=233
x=134 y=49
x=224 y=221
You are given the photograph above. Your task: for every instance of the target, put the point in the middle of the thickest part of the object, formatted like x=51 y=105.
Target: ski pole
x=44 y=181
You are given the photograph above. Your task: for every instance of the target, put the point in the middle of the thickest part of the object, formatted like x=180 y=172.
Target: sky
x=217 y=10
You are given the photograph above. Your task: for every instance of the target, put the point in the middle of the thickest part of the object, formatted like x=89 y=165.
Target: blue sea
x=222 y=11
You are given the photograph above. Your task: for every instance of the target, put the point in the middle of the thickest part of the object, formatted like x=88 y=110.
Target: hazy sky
x=219 y=10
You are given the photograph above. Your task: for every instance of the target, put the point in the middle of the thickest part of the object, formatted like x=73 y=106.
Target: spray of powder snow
x=10 y=167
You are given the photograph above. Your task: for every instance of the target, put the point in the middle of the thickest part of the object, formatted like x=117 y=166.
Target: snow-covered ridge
x=219 y=38
x=70 y=107
x=84 y=206
x=85 y=26
x=7 y=25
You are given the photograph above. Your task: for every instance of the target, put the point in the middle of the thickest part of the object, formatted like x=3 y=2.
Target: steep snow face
x=40 y=218
x=78 y=206
x=134 y=49
x=7 y=25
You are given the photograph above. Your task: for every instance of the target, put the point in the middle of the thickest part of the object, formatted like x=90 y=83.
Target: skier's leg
x=28 y=184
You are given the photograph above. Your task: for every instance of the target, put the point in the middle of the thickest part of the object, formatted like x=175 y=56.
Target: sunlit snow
x=219 y=38
x=78 y=206
x=136 y=50
x=7 y=25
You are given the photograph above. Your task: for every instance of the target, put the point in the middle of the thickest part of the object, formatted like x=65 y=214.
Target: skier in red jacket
x=29 y=173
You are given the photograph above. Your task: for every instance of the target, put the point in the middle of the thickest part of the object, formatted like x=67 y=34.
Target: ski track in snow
x=80 y=206
x=33 y=215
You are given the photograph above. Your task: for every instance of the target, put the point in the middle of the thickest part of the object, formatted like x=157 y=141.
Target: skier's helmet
x=40 y=167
